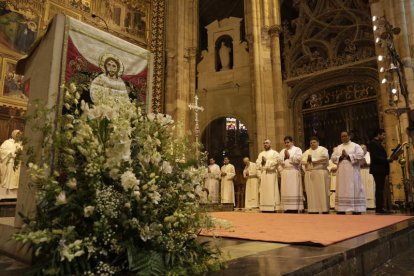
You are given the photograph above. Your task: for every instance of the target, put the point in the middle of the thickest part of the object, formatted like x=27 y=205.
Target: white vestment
x=317 y=183
x=350 y=195
x=104 y=88
x=252 y=186
x=227 y=184
x=368 y=181
x=291 y=186
x=9 y=178
x=212 y=183
x=332 y=179
x=269 y=189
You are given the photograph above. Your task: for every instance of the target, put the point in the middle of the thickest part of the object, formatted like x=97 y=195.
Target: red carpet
x=298 y=228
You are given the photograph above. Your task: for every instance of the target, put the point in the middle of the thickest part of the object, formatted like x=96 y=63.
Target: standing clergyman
x=350 y=195
x=317 y=184
x=379 y=168
x=367 y=178
x=9 y=173
x=267 y=163
x=212 y=182
x=227 y=185
x=291 y=186
x=252 y=184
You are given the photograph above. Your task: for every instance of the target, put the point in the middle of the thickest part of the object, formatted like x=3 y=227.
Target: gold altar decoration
x=140 y=22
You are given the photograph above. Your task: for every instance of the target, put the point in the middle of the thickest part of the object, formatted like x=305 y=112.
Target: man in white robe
x=252 y=184
x=227 y=185
x=332 y=168
x=367 y=179
x=212 y=181
x=350 y=195
x=317 y=184
x=267 y=163
x=291 y=186
x=9 y=175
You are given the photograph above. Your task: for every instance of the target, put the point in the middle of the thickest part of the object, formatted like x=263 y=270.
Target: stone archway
x=343 y=100
x=228 y=136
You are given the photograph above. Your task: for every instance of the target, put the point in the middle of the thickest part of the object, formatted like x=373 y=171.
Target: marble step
x=217 y=207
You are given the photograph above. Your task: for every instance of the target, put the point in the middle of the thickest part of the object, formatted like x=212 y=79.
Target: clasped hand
x=344 y=156
x=287 y=155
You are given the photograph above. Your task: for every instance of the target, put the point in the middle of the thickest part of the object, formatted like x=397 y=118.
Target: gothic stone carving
x=327 y=34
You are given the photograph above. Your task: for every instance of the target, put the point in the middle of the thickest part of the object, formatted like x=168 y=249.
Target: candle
x=398 y=134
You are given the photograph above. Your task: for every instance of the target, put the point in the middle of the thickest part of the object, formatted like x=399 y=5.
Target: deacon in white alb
x=212 y=182
x=9 y=174
x=267 y=163
x=252 y=184
x=227 y=185
x=332 y=168
x=367 y=179
x=291 y=186
x=317 y=184
x=350 y=195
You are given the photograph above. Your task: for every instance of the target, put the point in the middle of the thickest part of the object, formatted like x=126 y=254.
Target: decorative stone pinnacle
x=275 y=30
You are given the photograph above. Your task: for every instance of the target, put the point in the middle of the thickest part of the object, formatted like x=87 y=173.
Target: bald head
x=267 y=144
x=16 y=134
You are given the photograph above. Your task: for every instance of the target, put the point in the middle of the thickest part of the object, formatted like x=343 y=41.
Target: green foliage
x=145 y=263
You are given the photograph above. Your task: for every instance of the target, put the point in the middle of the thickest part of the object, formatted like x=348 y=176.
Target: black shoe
x=312 y=213
x=291 y=211
x=380 y=211
x=340 y=213
x=325 y=213
x=356 y=213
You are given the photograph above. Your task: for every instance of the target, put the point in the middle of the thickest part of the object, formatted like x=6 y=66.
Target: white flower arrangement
x=124 y=196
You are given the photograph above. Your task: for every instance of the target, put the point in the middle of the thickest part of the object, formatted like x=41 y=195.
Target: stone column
x=181 y=45
x=280 y=96
x=399 y=14
x=261 y=72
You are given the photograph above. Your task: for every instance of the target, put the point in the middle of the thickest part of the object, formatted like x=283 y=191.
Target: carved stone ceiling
x=326 y=33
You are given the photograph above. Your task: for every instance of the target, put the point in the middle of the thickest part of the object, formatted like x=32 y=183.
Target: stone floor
x=264 y=258
x=361 y=254
x=402 y=265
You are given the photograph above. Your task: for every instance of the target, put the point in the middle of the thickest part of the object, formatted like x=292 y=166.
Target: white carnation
x=88 y=211
x=166 y=167
x=129 y=180
x=61 y=199
x=72 y=183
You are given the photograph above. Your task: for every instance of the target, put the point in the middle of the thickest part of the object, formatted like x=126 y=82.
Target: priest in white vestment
x=212 y=181
x=367 y=179
x=332 y=168
x=227 y=182
x=9 y=174
x=267 y=163
x=317 y=184
x=252 y=184
x=350 y=195
x=291 y=186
